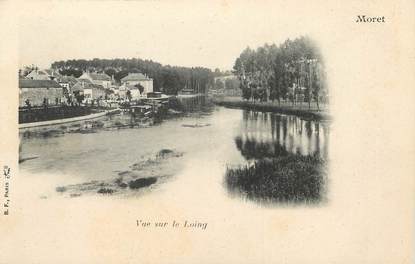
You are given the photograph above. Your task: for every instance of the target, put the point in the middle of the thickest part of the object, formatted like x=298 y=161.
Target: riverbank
x=67 y=120
x=297 y=110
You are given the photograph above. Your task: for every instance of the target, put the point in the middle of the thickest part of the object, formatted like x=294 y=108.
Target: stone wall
x=36 y=95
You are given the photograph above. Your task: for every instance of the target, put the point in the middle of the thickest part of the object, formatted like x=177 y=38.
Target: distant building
x=38 y=75
x=81 y=80
x=133 y=79
x=229 y=82
x=43 y=75
x=78 y=87
x=97 y=78
x=91 y=91
x=94 y=92
x=36 y=92
x=53 y=75
x=115 y=89
x=227 y=85
x=226 y=77
x=122 y=92
x=134 y=91
x=67 y=82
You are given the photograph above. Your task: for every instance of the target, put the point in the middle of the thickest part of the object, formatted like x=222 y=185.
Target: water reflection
x=287 y=159
x=252 y=149
x=198 y=104
x=270 y=134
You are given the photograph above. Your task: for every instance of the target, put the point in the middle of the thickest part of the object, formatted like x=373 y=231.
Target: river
x=108 y=156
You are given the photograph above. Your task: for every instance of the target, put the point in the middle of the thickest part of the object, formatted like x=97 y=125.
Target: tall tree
x=281 y=72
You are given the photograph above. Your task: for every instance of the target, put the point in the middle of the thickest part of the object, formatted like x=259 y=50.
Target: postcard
x=207 y=132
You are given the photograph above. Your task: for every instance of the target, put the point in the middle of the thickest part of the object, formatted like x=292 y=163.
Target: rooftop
x=68 y=78
x=100 y=76
x=28 y=83
x=135 y=77
x=40 y=72
x=84 y=80
x=79 y=87
x=51 y=72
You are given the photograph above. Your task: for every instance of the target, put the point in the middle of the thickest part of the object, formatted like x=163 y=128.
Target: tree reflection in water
x=251 y=149
x=288 y=159
x=290 y=133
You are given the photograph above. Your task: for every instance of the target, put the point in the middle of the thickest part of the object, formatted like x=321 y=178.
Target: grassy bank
x=288 y=109
x=291 y=178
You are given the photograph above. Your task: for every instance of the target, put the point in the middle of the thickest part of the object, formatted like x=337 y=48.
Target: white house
x=67 y=82
x=97 y=78
x=133 y=79
x=91 y=91
x=134 y=91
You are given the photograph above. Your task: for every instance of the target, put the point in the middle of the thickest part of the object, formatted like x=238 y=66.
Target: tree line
x=293 y=71
x=166 y=78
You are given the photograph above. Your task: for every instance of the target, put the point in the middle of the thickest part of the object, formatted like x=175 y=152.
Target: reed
x=288 y=178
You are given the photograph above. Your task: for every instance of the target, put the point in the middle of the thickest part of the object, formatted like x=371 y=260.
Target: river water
x=190 y=151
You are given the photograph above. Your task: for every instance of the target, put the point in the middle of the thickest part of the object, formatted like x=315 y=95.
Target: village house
x=97 y=78
x=81 y=80
x=133 y=79
x=134 y=92
x=38 y=92
x=78 y=87
x=91 y=91
x=67 y=82
x=115 y=89
x=47 y=74
x=38 y=75
x=53 y=74
x=94 y=92
x=225 y=77
x=122 y=92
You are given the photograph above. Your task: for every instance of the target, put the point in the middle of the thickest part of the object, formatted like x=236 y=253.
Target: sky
x=198 y=33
